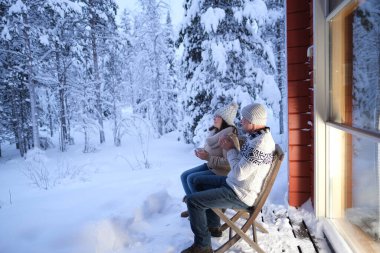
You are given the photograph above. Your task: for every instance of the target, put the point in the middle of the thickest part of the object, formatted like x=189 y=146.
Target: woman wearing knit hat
x=240 y=188
x=216 y=158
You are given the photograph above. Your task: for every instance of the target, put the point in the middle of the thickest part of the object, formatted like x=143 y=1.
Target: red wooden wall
x=300 y=101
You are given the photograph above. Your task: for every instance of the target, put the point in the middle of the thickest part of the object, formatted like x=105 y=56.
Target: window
x=354 y=115
x=333 y=4
x=355 y=67
x=354 y=179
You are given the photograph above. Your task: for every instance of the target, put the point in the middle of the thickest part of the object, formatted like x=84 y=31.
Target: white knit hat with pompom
x=228 y=113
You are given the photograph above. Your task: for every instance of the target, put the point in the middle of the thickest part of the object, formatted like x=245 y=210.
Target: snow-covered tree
x=66 y=51
x=59 y=36
x=275 y=32
x=115 y=91
x=128 y=55
x=99 y=20
x=226 y=57
x=156 y=95
x=22 y=34
x=83 y=99
x=172 y=84
x=23 y=27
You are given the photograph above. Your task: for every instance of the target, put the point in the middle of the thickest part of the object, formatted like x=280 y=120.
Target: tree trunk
x=50 y=114
x=86 y=141
x=71 y=140
x=280 y=74
x=61 y=95
x=158 y=90
x=30 y=84
x=34 y=116
x=116 y=127
x=18 y=111
x=96 y=73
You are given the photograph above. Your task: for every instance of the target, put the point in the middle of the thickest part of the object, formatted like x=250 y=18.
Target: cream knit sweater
x=217 y=160
x=212 y=142
x=250 y=166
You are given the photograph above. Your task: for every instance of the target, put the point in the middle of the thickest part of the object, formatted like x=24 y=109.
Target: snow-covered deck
x=288 y=232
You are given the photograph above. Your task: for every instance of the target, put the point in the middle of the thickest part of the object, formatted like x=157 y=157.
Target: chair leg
x=233 y=219
x=239 y=232
x=254 y=233
x=261 y=228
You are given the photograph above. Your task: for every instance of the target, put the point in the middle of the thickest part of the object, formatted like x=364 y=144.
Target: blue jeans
x=215 y=194
x=187 y=177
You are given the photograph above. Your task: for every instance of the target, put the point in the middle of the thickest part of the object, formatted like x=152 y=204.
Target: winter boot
x=216 y=232
x=198 y=249
x=185 y=214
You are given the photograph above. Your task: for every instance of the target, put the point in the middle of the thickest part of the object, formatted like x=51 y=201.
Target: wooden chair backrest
x=278 y=157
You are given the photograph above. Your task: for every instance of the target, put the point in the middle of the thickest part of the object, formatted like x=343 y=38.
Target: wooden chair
x=252 y=213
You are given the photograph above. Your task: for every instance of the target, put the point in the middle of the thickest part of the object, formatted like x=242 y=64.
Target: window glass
x=364 y=211
x=354 y=175
x=355 y=66
x=333 y=4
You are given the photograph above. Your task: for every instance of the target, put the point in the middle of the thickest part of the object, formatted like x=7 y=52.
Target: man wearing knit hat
x=240 y=188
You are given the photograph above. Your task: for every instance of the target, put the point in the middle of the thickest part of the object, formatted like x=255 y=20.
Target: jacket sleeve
x=219 y=165
x=243 y=163
x=213 y=141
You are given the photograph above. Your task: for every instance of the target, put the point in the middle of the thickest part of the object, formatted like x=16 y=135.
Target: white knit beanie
x=228 y=113
x=255 y=114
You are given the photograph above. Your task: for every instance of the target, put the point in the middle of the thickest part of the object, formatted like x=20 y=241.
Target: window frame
x=374 y=136
x=324 y=127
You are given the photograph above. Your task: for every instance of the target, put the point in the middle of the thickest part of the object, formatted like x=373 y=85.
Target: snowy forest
x=67 y=66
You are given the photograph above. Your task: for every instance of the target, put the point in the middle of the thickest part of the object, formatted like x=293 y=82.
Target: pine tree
x=172 y=84
x=21 y=36
x=82 y=99
x=155 y=99
x=114 y=87
x=99 y=16
x=24 y=26
x=275 y=31
x=226 y=57
x=128 y=55
x=60 y=37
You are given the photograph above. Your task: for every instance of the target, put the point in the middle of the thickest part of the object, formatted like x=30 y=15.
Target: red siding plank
x=300 y=169
x=299 y=137
x=297 y=55
x=300 y=153
x=297 y=38
x=299 y=121
x=299 y=184
x=298 y=72
x=295 y=6
x=299 y=89
x=293 y=20
x=297 y=199
x=299 y=104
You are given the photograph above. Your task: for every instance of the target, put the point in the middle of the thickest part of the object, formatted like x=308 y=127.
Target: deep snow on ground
x=111 y=200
